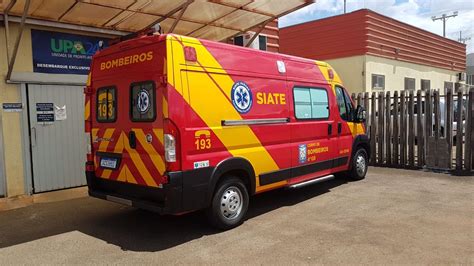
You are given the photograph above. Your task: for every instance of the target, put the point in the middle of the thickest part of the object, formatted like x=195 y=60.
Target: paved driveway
x=393 y=216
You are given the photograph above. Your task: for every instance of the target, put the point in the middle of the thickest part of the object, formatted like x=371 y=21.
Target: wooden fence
x=441 y=138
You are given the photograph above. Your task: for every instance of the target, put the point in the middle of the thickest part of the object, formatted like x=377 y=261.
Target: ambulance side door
x=312 y=132
x=344 y=134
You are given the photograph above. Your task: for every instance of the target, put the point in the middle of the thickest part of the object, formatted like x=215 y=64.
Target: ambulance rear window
x=142 y=101
x=107 y=104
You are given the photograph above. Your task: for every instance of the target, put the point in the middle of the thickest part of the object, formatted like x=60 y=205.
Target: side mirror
x=360 y=115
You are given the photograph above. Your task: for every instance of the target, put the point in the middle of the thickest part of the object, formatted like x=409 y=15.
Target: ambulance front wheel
x=359 y=165
x=229 y=204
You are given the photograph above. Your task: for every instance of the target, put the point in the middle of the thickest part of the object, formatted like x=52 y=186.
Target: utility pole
x=344 y=6
x=461 y=39
x=444 y=17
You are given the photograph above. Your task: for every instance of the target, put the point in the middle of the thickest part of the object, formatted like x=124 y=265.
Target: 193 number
x=203 y=144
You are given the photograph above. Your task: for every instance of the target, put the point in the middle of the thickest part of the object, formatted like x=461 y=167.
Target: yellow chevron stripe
x=107 y=135
x=117 y=149
x=87 y=110
x=123 y=174
x=130 y=178
x=126 y=176
x=150 y=150
x=103 y=147
x=94 y=132
x=137 y=161
x=240 y=141
x=159 y=134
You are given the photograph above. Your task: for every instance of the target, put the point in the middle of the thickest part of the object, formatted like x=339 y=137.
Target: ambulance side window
x=311 y=103
x=106 y=104
x=142 y=102
x=346 y=109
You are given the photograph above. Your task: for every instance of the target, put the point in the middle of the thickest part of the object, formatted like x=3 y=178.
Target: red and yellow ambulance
x=178 y=124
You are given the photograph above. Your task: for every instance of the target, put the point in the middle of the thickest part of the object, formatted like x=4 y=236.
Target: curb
x=47 y=197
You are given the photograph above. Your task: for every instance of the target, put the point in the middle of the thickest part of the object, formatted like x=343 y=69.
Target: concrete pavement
x=393 y=216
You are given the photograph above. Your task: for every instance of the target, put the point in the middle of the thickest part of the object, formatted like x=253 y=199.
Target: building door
x=58 y=143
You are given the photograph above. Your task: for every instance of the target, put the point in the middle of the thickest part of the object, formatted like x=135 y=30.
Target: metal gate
x=58 y=144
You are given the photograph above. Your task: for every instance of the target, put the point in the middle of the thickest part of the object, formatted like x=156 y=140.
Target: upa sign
x=63 y=53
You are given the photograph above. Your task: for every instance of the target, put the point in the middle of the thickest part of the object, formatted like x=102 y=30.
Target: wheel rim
x=231 y=203
x=360 y=165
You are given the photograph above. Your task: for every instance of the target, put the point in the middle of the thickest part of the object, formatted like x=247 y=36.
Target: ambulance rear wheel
x=229 y=204
x=359 y=165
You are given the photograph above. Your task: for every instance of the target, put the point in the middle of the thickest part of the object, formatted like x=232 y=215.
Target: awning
x=208 y=19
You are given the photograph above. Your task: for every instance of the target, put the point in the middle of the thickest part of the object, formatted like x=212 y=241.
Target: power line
x=444 y=17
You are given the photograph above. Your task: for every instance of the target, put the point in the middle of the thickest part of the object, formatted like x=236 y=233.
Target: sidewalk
x=54 y=196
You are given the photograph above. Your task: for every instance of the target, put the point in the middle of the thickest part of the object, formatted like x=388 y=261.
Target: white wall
x=350 y=70
x=356 y=73
x=396 y=71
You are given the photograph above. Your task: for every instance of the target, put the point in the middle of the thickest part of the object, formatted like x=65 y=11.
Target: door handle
x=339 y=128
x=329 y=129
x=132 y=139
x=33 y=136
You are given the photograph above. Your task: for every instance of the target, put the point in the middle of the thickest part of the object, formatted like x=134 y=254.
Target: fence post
x=373 y=131
x=403 y=129
x=419 y=135
x=459 y=129
x=359 y=101
x=381 y=126
x=411 y=130
x=468 y=156
x=396 y=139
x=428 y=115
x=428 y=127
x=388 y=132
x=366 y=106
x=449 y=125
x=436 y=123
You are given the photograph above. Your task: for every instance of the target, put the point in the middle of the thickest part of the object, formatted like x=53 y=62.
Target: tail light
x=88 y=126
x=171 y=146
x=89 y=147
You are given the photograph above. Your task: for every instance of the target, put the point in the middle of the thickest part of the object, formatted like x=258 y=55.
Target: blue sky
x=415 y=12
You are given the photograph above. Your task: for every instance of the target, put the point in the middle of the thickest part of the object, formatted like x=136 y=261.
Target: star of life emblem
x=241 y=97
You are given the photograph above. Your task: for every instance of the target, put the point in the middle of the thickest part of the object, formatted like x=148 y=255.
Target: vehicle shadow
x=129 y=228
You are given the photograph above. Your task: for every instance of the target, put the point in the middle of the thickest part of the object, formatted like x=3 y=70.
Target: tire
x=229 y=204
x=359 y=165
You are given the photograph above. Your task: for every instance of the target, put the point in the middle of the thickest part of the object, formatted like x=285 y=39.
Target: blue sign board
x=63 y=53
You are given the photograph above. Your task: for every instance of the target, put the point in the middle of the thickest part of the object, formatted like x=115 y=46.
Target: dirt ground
x=392 y=217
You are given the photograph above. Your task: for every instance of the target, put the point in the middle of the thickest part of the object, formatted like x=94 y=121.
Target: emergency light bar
x=148 y=31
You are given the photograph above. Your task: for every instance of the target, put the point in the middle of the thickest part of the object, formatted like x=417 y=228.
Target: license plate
x=110 y=163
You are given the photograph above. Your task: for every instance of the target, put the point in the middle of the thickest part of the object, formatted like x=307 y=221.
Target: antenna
x=444 y=17
x=461 y=39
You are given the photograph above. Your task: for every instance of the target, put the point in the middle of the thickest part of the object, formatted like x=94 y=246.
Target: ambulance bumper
x=165 y=200
x=169 y=199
